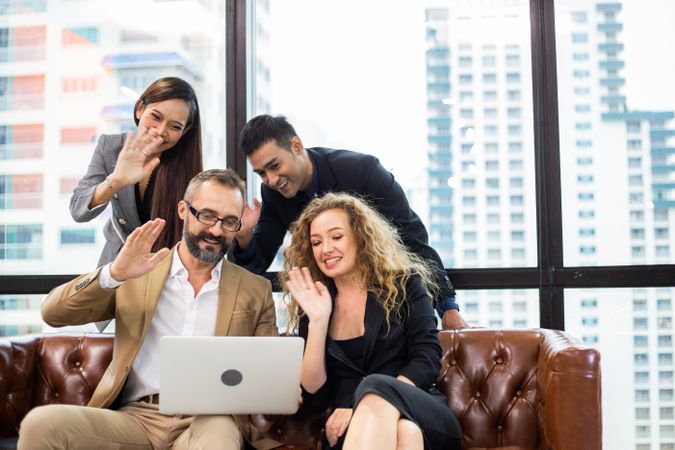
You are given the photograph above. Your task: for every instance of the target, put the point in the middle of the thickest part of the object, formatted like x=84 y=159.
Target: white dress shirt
x=179 y=313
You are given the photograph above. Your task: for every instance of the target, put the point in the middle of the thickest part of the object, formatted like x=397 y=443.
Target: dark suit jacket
x=410 y=348
x=342 y=171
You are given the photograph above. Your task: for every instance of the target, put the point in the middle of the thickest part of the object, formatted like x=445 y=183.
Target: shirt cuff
x=107 y=282
x=247 y=254
x=446 y=304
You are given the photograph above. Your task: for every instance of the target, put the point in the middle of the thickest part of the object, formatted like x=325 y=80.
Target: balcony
x=610 y=46
x=610 y=26
x=613 y=64
x=15 y=102
x=612 y=82
x=28 y=150
x=153 y=59
x=22 y=53
x=608 y=7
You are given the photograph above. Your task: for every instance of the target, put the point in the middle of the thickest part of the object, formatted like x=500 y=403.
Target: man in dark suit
x=292 y=175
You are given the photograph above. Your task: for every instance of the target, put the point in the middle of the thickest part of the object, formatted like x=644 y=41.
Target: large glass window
x=617 y=151
x=412 y=92
x=627 y=327
x=72 y=70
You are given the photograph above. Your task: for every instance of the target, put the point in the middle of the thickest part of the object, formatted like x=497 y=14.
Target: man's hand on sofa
x=452 y=320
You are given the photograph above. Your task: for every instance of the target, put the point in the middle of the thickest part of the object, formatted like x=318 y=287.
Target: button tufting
x=499 y=360
x=500 y=429
x=77 y=363
x=453 y=362
x=56 y=394
x=519 y=393
x=477 y=394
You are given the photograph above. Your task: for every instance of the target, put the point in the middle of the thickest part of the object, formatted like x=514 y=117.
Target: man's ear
x=182 y=210
x=296 y=146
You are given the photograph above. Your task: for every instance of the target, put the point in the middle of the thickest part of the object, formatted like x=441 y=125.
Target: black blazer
x=342 y=171
x=410 y=348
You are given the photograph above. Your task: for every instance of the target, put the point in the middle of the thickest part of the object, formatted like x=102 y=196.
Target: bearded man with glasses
x=190 y=290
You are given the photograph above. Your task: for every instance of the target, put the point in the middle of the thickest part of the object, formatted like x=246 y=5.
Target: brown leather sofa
x=510 y=389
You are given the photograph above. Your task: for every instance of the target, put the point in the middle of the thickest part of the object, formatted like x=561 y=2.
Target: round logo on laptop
x=231 y=377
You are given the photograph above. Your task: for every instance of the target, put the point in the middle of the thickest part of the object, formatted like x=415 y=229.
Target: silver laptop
x=229 y=375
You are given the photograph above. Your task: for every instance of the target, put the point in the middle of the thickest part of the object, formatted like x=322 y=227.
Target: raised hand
x=312 y=296
x=248 y=222
x=134 y=259
x=337 y=424
x=138 y=158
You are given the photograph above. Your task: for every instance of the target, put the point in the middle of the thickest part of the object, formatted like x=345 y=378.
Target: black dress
x=370 y=364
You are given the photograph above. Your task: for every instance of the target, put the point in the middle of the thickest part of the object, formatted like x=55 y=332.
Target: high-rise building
x=617 y=191
x=481 y=193
x=70 y=71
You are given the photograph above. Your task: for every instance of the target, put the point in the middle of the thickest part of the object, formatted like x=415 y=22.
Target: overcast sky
x=351 y=73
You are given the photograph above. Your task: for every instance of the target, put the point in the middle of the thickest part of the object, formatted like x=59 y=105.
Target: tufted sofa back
x=510 y=389
x=39 y=370
x=522 y=389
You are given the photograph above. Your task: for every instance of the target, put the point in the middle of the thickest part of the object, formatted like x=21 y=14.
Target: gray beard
x=208 y=256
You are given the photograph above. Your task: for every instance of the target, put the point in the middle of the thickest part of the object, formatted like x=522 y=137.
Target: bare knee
x=408 y=435
x=372 y=401
x=373 y=404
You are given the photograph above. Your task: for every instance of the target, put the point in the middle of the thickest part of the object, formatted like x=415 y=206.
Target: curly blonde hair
x=383 y=262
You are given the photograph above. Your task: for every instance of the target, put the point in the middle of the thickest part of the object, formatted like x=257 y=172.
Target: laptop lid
x=229 y=375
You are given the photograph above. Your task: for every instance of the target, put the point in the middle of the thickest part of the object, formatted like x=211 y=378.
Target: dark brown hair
x=180 y=163
x=264 y=128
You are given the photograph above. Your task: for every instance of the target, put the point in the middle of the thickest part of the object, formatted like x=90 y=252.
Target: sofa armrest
x=569 y=393
x=43 y=369
x=17 y=373
x=303 y=430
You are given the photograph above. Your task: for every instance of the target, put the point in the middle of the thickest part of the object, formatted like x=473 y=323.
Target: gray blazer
x=124 y=210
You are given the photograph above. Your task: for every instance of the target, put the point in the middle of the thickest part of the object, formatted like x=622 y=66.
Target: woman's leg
x=408 y=435
x=389 y=397
x=373 y=425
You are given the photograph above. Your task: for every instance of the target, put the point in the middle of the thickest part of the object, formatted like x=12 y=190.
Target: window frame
x=551 y=277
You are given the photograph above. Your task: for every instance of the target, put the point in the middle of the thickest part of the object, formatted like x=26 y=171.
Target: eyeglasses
x=228 y=223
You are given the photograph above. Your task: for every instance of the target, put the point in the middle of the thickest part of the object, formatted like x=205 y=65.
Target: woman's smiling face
x=333 y=244
x=169 y=119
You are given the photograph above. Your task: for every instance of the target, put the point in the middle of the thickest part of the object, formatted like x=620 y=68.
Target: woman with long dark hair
x=144 y=174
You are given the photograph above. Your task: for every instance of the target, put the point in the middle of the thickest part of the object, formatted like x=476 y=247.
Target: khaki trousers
x=134 y=426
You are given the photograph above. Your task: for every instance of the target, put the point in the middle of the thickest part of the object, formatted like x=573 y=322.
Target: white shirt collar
x=178 y=269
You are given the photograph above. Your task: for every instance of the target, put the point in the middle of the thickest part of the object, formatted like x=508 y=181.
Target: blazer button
x=116 y=195
x=122 y=221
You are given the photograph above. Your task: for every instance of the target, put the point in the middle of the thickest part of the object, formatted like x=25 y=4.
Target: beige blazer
x=245 y=308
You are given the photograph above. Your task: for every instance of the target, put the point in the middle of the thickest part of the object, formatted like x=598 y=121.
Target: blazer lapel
x=227 y=297
x=327 y=181
x=373 y=321
x=156 y=279
x=127 y=195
